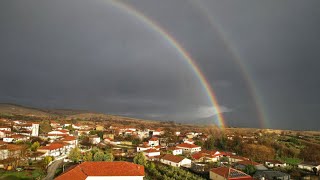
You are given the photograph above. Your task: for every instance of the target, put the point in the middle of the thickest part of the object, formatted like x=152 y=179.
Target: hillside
x=14 y=109
x=18 y=110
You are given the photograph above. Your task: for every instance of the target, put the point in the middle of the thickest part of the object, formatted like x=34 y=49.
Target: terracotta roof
x=174 y=148
x=172 y=158
x=248 y=162
x=69 y=138
x=82 y=171
x=231 y=173
x=17 y=136
x=186 y=145
x=51 y=147
x=11 y=147
x=64 y=131
x=150 y=151
x=153 y=139
x=197 y=156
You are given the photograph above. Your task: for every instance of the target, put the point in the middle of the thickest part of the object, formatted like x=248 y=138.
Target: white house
x=175 y=151
x=71 y=142
x=58 y=133
x=94 y=139
x=188 y=141
x=54 y=149
x=4 y=128
x=175 y=161
x=151 y=153
x=275 y=163
x=143 y=148
x=309 y=166
x=15 y=137
x=189 y=148
x=104 y=171
x=154 y=141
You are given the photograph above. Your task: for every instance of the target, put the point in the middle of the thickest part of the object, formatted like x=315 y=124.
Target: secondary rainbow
x=237 y=59
x=182 y=52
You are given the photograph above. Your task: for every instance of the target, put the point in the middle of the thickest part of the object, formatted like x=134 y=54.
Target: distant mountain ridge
x=15 y=109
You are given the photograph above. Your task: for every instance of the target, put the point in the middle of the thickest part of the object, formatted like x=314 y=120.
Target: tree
x=140 y=159
x=250 y=169
x=108 y=157
x=46 y=161
x=98 y=156
x=258 y=152
x=87 y=156
x=75 y=154
x=35 y=146
x=209 y=143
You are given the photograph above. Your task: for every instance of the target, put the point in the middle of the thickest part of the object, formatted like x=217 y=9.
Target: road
x=52 y=169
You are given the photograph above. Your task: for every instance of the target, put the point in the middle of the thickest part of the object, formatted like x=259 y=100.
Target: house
x=157 y=132
x=154 y=141
x=151 y=153
x=175 y=151
x=227 y=173
x=14 y=138
x=9 y=153
x=234 y=158
x=207 y=156
x=104 y=170
x=5 y=128
x=54 y=149
x=275 y=163
x=175 y=161
x=71 y=142
x=188 y=141
x=58 y=133
x=241 y=165
x=143 y=147
x=309 y=166
x=94 y=139
x=4 y=133
x=265 y=175
x=99 y=128
x=189 y=148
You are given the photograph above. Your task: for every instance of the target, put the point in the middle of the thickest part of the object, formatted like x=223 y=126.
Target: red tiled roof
x=17 y=136
x=69 y=138
x=150 y=151
x=52 y=147
x=248 y=162
x=197 y=156
x=64 y=131
x=172 y=158
x=231 y=174
x=174 y=148
x=82 y=171
x=186 y=145
x=153 y=139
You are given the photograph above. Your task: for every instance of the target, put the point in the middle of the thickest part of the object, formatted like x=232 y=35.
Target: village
x=161 y=152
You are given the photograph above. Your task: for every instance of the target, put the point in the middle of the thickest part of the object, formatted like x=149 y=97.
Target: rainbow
x=182 y=52
x=236 y=56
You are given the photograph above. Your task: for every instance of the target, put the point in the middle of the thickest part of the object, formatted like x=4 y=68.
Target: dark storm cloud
x=90 y=55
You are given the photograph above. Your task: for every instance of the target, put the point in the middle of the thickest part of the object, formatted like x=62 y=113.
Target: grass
x=23 y=175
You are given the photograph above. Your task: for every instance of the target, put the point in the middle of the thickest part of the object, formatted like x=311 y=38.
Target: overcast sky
x=258 y=56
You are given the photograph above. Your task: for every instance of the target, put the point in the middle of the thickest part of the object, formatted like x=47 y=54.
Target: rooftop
x=186 y=145
x=172 y=158
x=231 y=173
x=82 y=171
